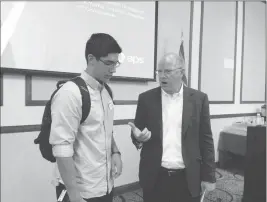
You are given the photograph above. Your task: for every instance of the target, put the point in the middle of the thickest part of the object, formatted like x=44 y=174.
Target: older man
x=172 y=126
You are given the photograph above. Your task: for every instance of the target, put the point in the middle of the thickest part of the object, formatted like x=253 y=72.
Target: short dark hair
x=100 y=45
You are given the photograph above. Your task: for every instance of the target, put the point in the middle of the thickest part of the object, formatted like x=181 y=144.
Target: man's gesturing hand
x=141 y=136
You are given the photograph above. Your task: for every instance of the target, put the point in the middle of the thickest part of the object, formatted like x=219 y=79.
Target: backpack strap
x=60 y=83
x=109 y=90
x=86 y=100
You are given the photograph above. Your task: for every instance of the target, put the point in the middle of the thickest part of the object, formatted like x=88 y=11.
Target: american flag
x=181 y=54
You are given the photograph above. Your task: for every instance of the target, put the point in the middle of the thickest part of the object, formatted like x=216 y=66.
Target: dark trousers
x=171 y=186
x=105 y=198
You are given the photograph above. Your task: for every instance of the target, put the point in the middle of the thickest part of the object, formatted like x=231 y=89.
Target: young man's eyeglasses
x=110 y=63
x=166 y=71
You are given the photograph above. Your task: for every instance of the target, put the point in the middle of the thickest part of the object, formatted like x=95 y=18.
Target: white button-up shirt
x=89 y=143
x=172 y=110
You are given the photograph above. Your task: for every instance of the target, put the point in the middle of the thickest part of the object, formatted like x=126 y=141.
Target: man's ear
x=90 y=58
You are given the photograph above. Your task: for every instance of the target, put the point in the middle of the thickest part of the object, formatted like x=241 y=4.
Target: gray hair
x=173 y=59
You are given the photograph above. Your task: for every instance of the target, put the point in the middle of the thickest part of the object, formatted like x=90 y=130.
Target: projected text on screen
x=51 y=36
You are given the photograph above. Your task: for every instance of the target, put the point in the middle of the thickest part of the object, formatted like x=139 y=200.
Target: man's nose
x=113 y=70
x=163 y=76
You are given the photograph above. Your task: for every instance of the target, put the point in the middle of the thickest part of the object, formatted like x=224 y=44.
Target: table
x=232 y=140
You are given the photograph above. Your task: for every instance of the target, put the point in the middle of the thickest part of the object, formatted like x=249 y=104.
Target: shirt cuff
x=63 y=150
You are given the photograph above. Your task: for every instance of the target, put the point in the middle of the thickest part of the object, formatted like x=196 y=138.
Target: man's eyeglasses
x=110 y=63
x=166 y=71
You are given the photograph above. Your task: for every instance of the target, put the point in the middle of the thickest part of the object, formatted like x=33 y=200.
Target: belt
x=171 y=172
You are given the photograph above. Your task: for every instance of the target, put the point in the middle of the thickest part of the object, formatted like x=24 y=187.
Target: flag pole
x=181 y=53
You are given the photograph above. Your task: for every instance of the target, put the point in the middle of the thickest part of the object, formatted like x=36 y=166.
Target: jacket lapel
x=158 y=110
x=187 y=110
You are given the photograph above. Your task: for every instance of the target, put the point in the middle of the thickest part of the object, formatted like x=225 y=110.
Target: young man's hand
x=74 y=198
x=116 y=165
x=80 y=200
x=208 y=186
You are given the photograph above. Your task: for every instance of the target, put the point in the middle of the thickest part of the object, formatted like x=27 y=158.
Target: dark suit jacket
x=197 y=141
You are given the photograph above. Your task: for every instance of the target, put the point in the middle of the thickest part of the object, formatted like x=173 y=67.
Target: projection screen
x=51 y=36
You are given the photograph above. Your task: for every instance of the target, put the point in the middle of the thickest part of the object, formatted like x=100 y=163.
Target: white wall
x=26 y=177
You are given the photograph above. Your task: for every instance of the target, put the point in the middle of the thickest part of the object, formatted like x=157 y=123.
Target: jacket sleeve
x=206 y=144
x=140 y=120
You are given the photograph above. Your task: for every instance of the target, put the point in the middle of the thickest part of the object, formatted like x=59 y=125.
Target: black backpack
x=43 y=137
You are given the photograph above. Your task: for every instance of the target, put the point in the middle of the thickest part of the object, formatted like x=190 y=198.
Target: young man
x=172 y=125
x=87 y=156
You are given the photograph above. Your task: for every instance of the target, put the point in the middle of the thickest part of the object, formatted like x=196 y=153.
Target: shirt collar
x=175 y=94
x=92 y=82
